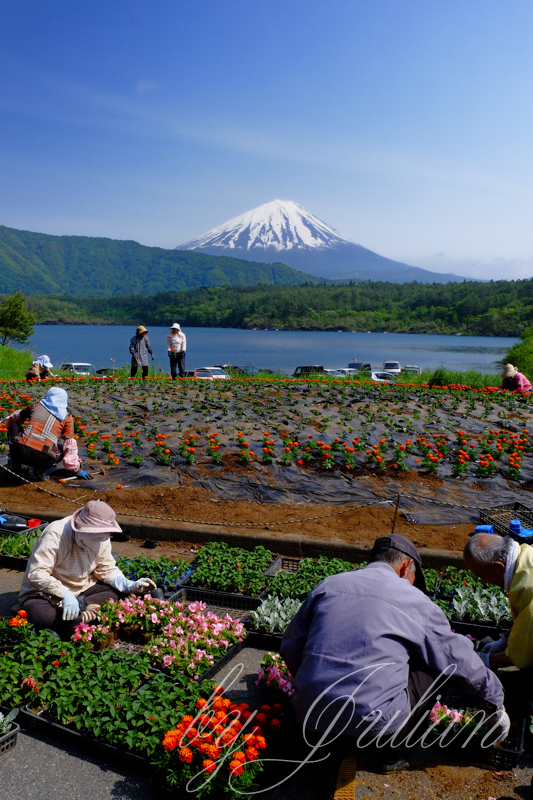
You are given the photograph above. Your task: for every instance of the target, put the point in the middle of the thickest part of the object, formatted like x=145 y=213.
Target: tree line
x=495 y=308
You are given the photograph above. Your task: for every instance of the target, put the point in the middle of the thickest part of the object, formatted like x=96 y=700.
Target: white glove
x=71 y=607
x=142 y=586
x=485 y=657
x=123 y=585
x=495 y=646
x=502 y=726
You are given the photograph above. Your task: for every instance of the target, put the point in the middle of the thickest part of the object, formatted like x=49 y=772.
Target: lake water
x=285 y=350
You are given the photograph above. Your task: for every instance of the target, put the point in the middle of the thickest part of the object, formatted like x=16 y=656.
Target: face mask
x=90 y=541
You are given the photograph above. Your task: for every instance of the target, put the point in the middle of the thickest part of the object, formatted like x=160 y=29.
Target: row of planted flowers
x=292 y=407
x=196 y=736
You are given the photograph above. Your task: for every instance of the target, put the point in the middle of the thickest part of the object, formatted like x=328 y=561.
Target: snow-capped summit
x=278 y=225
x=283 y=231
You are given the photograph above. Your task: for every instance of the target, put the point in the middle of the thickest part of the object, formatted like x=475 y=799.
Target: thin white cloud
x=71 y=103
x=145 y=86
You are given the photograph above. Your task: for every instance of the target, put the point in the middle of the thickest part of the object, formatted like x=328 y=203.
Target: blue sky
x=405 y=125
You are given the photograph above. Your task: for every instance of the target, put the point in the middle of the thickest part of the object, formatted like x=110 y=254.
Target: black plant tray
x=13 y=562
x=502 y=756
x=9 y=740
x=38 y=721
x=222 y=661
x=264 y=641
x=501 y=516
x=283 y=564
x=237 y=605
x=480 y=630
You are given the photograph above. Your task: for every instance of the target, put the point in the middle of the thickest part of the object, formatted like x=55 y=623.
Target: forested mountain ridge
x=91 y=267
x=501 y=308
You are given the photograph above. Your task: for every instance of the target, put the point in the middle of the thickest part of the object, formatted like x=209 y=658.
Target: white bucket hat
x=175 y=326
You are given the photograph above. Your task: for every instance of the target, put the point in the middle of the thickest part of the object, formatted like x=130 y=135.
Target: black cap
x=399 y=542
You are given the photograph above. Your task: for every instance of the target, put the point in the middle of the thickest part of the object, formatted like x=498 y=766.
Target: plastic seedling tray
x=38 y=720
x=9 y=740
x=264 y=641
x=283 y=564
x=253 y=601
x=504 y=756
x=13 y=562
x=218 y=602
x=501 y=516
x=480 y=630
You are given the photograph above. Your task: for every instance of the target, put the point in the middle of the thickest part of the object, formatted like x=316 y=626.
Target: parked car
x=231 y=369
x=335 y=373
x=412 y=368
x=211 y=374
x=359 y=366
x=300 y=372
x=78 y=368
x=355 y=373
x=383 y=377
x=393 y=367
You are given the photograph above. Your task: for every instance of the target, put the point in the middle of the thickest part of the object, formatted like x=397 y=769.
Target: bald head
x=485 y=555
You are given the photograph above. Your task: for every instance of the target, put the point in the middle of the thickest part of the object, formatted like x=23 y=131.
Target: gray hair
x=391 y=556
x=484 y=549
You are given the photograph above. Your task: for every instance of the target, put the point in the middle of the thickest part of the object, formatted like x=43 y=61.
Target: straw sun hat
x=509 y=371
x=141 y=329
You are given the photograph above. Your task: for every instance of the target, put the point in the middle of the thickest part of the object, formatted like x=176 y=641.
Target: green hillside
x=97 y=267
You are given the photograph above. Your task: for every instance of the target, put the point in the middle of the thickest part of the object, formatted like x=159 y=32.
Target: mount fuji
x=284 y=231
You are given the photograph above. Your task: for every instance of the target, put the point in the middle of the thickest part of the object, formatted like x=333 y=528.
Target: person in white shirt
x=176 y=347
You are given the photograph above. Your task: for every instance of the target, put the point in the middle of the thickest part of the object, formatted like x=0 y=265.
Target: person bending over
x=71 y=571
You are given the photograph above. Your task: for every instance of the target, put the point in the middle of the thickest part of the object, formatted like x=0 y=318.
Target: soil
x=354 y=526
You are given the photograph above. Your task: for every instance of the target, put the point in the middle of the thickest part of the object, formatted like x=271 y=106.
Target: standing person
x=34 y=434
x=139 y=349
x=40 y=369
x=176 y=347
x=514 y=381
x=72 y=562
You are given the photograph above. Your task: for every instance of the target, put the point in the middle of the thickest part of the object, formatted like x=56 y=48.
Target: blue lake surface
x=285 y=350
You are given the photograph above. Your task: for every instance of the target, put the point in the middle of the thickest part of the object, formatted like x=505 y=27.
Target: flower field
x=317 y=425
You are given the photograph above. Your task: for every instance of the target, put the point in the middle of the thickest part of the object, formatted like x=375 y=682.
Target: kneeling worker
x=509 y=565
x=365 y=650
x=72 y=558
x=34 y=434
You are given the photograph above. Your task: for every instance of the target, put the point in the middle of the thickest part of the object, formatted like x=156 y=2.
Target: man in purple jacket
x=367 y=646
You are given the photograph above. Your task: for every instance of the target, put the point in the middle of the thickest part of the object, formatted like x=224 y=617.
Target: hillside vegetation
x=85 y=266
x=502 y=308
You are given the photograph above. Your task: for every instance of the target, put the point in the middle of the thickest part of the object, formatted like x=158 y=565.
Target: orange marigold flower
x=260 y=742
x=235 y=767
x=22 y=613
x=208 y=765
x=251 y=754
x=186 y=755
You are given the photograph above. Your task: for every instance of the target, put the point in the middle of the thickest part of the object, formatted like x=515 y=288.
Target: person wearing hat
x=139 y=349
x=514 y=381
x=176 y=348
x=364 y=651
x=71 y=566
x=34 y=434
x=40 y=369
